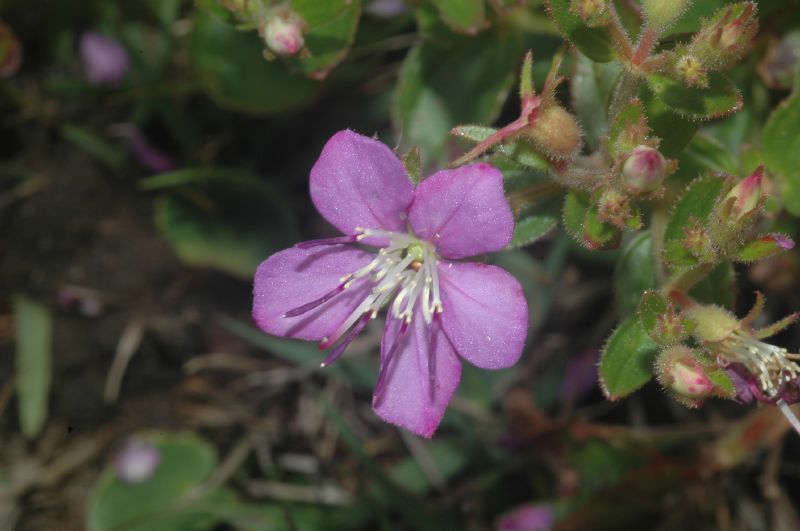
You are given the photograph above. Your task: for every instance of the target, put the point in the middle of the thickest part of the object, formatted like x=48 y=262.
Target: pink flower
x=439 y=309
x=105 y=60
x=529 y=517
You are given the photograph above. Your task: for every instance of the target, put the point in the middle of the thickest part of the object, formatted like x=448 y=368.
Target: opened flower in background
x=401 y=250
x=105 y=60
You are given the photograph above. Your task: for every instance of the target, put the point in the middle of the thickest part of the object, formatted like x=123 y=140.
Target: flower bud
x=662 y=13
x=593 y=12
x=691 y=70
x=737 y=33
x=644 y=169
x=679 y=371
x=712 y=323
x=746 y=194
x=556 y=132
x=243 y=9
x=283 y=31
x=137 y=461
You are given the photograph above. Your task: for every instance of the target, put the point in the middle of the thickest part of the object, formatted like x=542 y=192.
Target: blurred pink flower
x=105 y=60
x=142 y=150
x=137 y=461
x=529 y=517
x=439 y=309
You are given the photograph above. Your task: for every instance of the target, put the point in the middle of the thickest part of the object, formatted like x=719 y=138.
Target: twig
x=128 y=345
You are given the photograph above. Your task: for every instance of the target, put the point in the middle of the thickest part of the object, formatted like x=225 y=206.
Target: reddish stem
x=646 y=42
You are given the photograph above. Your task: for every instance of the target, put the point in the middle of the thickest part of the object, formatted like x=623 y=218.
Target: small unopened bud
x=283 y=31
x=691 y=70
x=593 y=12
x=746 y=194
x=738 y=32
x=679 y=371
x=137 y=461
x=556 y=132
x=644 y=169
x=614 y=207
x=662 y=13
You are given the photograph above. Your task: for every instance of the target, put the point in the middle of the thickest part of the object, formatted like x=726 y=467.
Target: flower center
x=773 y=365
x=404 y=268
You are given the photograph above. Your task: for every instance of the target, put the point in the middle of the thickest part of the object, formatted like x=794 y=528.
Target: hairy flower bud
x=713 y=324
x=662 y=13
x=283 y=31
x=555 y=132
x=679 y=371
x=691 y=70
x=746 y=194
x=644 y=170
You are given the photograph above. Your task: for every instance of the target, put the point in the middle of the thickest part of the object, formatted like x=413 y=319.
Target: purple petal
x=143 y=151
x=464 y=211
x=484 y=314
x=530 y=517
x=137 y=461
x=105 y=60
x=290 y=279
x=415 y=392
x=359 y=182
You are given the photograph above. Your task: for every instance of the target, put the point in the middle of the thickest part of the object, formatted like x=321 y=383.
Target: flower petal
x=358 y=182
x=464 y=211
x=295 y=277
x=414 y=394
x=484 y=314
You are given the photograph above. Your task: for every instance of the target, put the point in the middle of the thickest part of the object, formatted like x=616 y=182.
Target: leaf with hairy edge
x=628 y=129
x=719 y=99
x=674 y=130
x=626 y=363
x=330 y=30
x=692 y=209
x=781 y=148
x=635 y=273
x=594 y=42
x=722 y=382
x=763 y=247
x=530 y=229
x=651 y=306
x=462 y=16
x=576 y=206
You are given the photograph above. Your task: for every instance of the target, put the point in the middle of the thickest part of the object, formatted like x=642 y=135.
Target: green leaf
x=721 y=381
x=531 y=229
x=448 y=82
x=695 y=205
x=413 y=165
x=599 y=234
x=231 y=224
x=576 y=206
x=635 y=273
x=110 y=155
x=233 y=71
x=759 y=248
x=703 y=154
x=33 y=332
x=719 y=99
x=330 y=30
x=153 y=505
x=463 y=16
x=628 y=129
x=592 y=85
x=594 y=43
x=626 y=363
x=651 y=306
x=674 y=130
x=519 y=152
x=781 y=149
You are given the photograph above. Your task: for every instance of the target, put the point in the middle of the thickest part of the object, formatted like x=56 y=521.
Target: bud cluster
x=720 y=41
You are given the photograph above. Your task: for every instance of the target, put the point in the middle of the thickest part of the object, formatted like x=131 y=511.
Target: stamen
x=339 y=349
x=300 y=310
x=773 y=366
x=339 y=240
